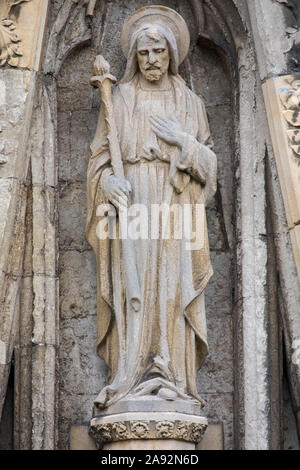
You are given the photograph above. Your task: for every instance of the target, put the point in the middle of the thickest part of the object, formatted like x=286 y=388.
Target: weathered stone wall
x=82 y=373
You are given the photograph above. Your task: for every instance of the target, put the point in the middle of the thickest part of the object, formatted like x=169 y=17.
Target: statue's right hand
x=116 y=190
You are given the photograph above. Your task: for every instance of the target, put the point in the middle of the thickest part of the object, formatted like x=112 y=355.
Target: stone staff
x=103 y=80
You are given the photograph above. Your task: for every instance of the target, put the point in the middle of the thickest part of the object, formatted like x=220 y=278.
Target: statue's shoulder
x=122 y=88
x=124 y=98
x=180 y=82
x=126 y=89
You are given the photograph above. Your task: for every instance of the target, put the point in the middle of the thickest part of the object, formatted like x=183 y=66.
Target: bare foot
x=167 y=394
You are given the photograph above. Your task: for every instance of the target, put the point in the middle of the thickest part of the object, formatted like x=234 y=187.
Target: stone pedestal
x=80 y=439
x=148 y=430
x=151 y=444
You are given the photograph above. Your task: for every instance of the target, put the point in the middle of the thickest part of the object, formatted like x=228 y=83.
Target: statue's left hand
x=169 y=130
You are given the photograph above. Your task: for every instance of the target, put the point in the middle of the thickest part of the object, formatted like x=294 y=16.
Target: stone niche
x=81 y=371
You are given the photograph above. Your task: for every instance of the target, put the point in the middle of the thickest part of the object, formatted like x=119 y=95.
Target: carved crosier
x=10 y=41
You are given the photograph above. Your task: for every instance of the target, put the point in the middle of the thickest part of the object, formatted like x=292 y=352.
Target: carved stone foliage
x=290 y=98
x=146 y=429
x=71 y=27
x=10 y=41
x=165 y=429
x=140 y=429
x=103 y=432
x=293 y=31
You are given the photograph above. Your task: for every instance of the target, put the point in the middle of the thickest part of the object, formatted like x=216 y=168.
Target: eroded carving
x=10 y=41
x=102 y=433
x=165 y=429
x=180 y=429
x=292 y=41
x=197 y=431
x=140 y=429
x=120 y=431
x=290 y=98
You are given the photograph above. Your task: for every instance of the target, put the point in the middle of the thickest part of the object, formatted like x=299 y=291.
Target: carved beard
x=153 y=75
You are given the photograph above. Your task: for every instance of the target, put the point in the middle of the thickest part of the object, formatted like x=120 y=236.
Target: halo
x=157 y=14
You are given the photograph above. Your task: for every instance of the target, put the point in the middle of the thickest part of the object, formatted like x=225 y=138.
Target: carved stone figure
x=153 y=348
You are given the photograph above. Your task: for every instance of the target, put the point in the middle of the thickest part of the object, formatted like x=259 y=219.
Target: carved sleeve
x=197 y=157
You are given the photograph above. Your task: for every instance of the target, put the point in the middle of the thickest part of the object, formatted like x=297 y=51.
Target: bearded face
x=153 y=55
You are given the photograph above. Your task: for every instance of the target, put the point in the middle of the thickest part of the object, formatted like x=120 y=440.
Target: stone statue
x=152 y=351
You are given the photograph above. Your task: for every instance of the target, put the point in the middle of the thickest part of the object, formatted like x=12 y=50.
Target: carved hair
x=163 y=31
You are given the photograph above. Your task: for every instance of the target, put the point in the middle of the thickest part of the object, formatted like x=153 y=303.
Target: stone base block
x=153 y=405
x=151 y=444
x=80 y=439
x=126 y=427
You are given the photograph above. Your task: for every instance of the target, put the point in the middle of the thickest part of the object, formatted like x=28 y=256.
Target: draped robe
x=165 y=343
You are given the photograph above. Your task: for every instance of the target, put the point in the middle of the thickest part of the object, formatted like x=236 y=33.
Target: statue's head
x=155 y=41
x=152 y=51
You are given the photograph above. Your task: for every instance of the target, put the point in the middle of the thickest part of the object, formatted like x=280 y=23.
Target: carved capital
x=129 y=426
